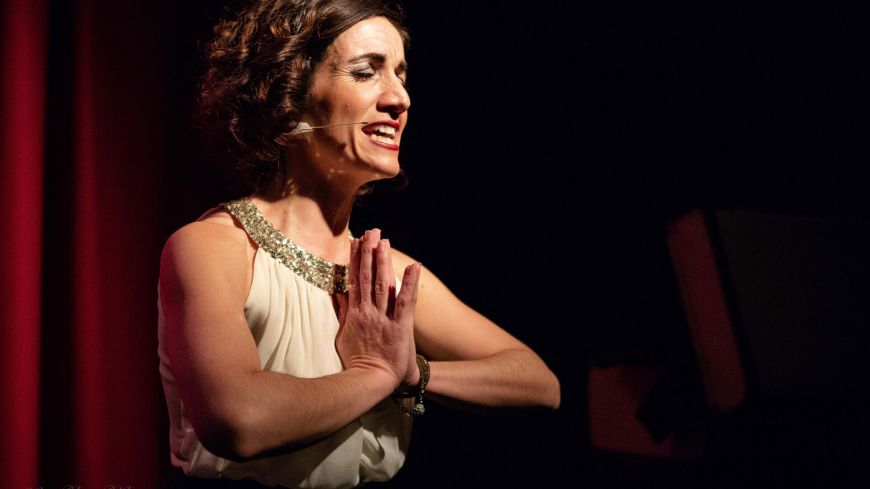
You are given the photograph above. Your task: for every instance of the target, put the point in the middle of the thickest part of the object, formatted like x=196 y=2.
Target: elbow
x=551 y=390
x=229 y=436
x=542 y=394
x=549 y=394
x=247 y=434
x=227 y=442
x=544 y=390
x=555 y=394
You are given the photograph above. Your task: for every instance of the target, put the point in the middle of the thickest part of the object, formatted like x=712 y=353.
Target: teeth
x=383 y=139
x=385 y=130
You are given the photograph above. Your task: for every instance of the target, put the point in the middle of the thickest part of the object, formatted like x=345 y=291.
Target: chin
x=384 y=170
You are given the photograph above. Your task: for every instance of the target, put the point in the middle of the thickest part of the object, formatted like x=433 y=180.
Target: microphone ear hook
x=304 y=127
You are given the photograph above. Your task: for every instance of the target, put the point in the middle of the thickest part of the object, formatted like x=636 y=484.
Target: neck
x=312 y=210
x=309 y=215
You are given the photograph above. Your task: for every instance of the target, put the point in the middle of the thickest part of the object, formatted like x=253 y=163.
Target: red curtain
x=21 y=148
x=80 y=173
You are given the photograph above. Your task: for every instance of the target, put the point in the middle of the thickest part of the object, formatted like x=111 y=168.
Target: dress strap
x=323 y=274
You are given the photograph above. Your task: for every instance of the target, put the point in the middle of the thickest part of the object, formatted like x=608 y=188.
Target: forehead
x=374 y=35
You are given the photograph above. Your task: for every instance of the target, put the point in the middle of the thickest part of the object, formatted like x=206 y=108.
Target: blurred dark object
x=776 y=308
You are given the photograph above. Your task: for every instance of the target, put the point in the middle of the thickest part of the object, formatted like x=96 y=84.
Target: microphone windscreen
x=301 y=128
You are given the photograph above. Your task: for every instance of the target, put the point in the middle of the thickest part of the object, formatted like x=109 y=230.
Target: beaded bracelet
x=418 y=409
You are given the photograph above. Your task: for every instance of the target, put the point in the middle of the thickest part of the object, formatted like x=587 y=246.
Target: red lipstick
x=370 y=129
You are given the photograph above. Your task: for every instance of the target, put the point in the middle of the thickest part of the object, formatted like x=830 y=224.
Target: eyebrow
x=379 y=59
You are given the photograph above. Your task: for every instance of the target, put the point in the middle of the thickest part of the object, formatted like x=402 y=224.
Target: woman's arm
x=238 y=410
x=474 y=361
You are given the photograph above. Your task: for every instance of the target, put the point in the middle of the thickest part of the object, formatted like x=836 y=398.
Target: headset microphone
x=304 y=127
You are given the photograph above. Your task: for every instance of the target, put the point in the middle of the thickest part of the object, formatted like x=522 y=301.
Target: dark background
x=548 y=146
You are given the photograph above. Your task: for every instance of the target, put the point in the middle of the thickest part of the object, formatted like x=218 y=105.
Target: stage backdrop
x=21 y=168
x=79 y=181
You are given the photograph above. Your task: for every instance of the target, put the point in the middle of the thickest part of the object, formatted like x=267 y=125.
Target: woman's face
x=361 y=79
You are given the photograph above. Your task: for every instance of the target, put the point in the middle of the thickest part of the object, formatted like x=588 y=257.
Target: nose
x=394 y=98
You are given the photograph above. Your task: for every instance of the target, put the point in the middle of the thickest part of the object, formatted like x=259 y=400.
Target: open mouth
x=382 y=132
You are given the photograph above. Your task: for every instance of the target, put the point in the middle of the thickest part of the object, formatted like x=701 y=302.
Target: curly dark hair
x=259 y=74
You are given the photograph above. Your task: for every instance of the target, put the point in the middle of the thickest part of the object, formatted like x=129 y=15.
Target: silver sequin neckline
x=323 y=274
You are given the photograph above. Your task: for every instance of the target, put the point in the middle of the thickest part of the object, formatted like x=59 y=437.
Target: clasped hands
x=377 y=324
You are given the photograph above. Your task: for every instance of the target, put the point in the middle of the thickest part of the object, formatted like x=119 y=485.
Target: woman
x=279 y=365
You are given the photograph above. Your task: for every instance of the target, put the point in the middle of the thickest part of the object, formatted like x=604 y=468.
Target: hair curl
x=260 y=63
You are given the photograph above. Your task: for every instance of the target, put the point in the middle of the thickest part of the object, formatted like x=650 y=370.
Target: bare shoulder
x=213 y=251
x=400 y=261
x=214 y=233
x=429 y=288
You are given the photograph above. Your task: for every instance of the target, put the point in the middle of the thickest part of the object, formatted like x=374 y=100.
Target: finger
x=391 y=298
x=374 y=238
x=353 y=273
x=383 y=275
x=407 y=298
x=389 y=258
x=365 y=270
x=417 y=274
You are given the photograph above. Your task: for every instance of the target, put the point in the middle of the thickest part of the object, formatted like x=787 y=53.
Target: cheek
x=324 y=109
x=347 y=111
x=319 y=110
x=339 y=113
x=339 y=105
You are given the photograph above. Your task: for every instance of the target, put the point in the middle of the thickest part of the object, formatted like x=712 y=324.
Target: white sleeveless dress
x=291 y=317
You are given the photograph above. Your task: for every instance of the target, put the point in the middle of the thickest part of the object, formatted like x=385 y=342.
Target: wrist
x=379 y=379
x=414 y=392
x=409 y=388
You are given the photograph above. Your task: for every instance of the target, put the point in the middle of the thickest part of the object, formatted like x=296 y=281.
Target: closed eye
x=362 y=75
